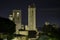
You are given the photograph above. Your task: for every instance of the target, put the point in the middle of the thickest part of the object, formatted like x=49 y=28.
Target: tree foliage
x=6 y=26
x=51 y=31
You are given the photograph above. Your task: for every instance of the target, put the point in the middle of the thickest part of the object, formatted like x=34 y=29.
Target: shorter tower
x=17 y=19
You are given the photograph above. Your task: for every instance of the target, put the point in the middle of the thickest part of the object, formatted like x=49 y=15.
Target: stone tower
x=16 y=18
x=32 y=17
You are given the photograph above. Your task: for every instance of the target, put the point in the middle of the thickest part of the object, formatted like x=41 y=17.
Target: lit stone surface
x=32 y=18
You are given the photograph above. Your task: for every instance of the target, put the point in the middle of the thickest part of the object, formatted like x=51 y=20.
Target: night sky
x=47 y=10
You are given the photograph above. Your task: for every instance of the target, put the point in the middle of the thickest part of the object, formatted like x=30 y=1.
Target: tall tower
x=32 y=17
x=17 y=19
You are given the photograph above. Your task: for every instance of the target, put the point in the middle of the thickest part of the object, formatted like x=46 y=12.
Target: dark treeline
x=51 y=31
x=6 y=26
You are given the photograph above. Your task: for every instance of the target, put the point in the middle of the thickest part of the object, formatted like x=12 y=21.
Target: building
x=47 y=23
x=16 y=18
x=26 y=27
x=20 y=37
x=32 y=17
x=29 y=31
x=11 y=17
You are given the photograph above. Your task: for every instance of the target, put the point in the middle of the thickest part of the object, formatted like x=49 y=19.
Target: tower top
x=32 y=5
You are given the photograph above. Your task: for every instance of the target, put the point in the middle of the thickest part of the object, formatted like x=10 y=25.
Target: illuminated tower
x=32 y=17
x=17 y=19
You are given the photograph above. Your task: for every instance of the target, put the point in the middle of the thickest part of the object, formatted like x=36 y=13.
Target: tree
x=50 y=31
x=6 y=26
